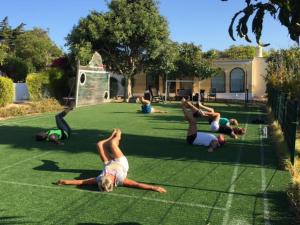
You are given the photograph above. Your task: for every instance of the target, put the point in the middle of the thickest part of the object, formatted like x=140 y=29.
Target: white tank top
x=204 y=138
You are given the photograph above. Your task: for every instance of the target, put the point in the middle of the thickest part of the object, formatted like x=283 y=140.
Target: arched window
x=237 y=80
x=218 y=82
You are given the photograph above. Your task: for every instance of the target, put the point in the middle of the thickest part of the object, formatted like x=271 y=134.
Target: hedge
x=38 y=86
x=57 y=82
x=6 y=91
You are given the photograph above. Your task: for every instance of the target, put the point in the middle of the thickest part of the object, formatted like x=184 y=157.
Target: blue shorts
x=146 y=108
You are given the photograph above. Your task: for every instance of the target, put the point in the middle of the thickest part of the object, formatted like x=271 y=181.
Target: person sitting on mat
x=62 y=132
x=147 y=108
x=200 y=138
x=115 y=168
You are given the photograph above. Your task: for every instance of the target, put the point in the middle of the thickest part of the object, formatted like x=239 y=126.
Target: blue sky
x=203 y=22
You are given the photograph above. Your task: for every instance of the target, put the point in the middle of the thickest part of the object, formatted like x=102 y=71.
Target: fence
x=285 y=112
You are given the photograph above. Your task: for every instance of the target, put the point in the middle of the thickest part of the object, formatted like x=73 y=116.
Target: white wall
x=236 y=96
x=21 y=92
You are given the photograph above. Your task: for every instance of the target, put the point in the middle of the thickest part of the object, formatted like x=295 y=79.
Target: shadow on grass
x=125 y=223
x=240 y=112
x=12 y=219
x=278 y=212
x=22 y=138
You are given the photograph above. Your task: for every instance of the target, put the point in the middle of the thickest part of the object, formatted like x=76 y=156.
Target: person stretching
x=56 y=135
x=115 y=168
x=200 y=138
x=147 y=108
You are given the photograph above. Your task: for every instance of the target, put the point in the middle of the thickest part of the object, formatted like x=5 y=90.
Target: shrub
x=6 y=91
x=38 y=85
x=16 y=68
x=58 y=82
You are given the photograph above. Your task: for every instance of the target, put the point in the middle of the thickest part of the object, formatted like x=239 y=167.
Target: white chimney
x=259 y=51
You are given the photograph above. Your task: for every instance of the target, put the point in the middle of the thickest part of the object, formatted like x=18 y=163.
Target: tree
x=3 y=52
x=15 y=68
x=286 y=11
x=283 y=71
x=127 y=36
x=8 y=36
x=212 y=54
x=36 y=48
x=239 y=52
x=164 y=64
x=190 y=62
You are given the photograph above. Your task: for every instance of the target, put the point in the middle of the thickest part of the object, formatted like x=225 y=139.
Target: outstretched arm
x=89 y=181
x=135 y=184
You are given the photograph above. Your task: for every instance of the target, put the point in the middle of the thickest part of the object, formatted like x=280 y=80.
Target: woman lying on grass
x=115 y=168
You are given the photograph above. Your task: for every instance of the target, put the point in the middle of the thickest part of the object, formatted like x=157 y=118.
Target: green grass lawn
x=238 y=184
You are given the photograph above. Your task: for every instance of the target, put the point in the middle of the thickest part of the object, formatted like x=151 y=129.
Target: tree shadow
x=12 y=219
x=240 y=112
x=22 y=138
x=279 y=211
x=123 y=223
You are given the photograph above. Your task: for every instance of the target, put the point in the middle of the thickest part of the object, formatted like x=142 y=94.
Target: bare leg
x=192 y=129
x=189 y=105
x=154 y=110
x=103 y=147
x=205 y=107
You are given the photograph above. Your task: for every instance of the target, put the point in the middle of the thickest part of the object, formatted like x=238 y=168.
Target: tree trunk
x=127 y=88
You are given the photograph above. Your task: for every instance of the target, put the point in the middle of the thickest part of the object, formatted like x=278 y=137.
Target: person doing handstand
x=62 y=132
x=200 y=138
x=147 y=108
x=115 y=168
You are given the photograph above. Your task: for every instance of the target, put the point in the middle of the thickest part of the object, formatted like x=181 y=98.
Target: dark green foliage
x=38 y=85
x=6 y=91
x=8 y=35
x=32 y=46
x=57 y=83
x=239 y=52
x=283 y=71
x=16 y=68
x=36 y=48
x=190 y=63
x=287 y=12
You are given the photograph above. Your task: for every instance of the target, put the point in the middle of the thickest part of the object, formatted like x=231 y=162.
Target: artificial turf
x=237 y=184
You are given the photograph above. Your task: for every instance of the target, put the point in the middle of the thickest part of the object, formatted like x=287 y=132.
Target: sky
x=202 y=22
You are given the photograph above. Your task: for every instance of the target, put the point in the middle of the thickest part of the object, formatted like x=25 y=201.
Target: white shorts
x=214 y=126
x=121 y=161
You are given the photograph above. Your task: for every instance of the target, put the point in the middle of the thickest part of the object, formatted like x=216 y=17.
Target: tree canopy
x=36 y=48
x=23 y=51
x=127 y=36
x=283 y=71
x=286 y=11
x=190 y=62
